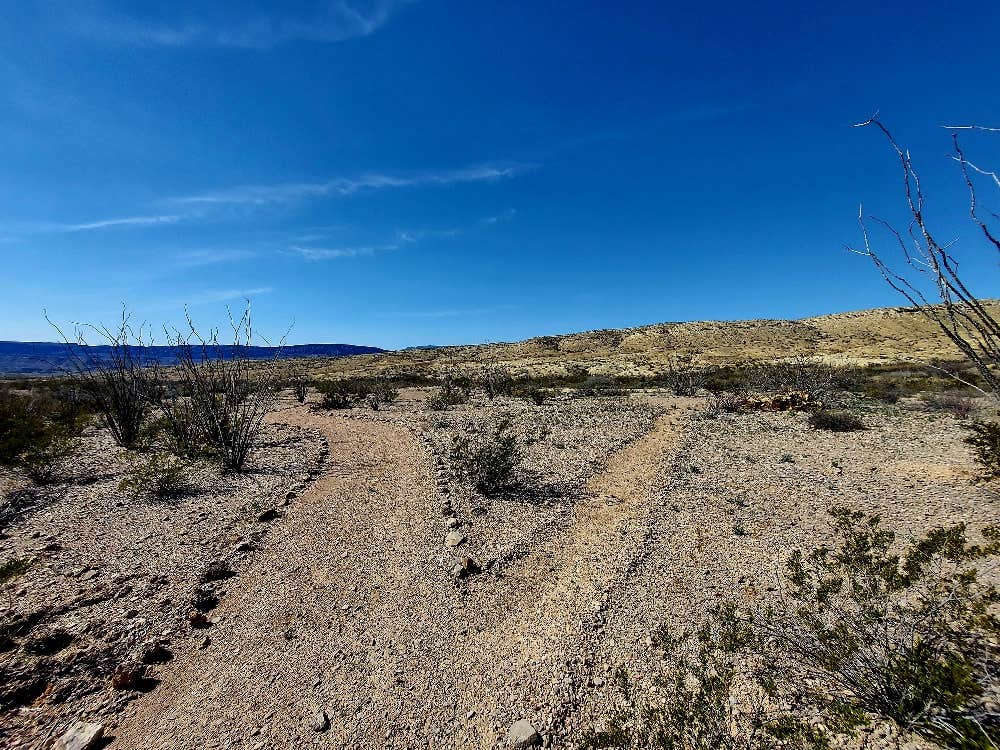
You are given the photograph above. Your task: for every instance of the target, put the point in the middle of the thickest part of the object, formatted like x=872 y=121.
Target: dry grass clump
x=958 y=405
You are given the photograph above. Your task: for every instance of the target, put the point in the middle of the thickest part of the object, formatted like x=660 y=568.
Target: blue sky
x=444 y=171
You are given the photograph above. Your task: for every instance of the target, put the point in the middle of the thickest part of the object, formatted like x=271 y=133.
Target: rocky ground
x=390 y=606
x=112 y=579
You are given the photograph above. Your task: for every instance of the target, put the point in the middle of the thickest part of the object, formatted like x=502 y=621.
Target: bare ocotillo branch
x=929 y=265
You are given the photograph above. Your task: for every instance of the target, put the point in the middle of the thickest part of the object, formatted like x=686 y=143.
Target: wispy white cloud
x=325 y=22
x=20 y=228
x=214 y=296
x=332 y=253
x=128 y=221
x=507 y=215
x=211 y=257
x=342 y=186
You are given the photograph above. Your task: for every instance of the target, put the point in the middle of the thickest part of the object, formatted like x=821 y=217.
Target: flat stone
x=81 y=736
x=321 y=721
x=454 y=538
x=522 y=735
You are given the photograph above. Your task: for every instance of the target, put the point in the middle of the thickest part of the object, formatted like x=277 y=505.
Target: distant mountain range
x=50 y=358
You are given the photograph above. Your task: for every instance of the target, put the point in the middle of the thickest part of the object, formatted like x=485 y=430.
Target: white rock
x=454 y=538
x=522 y=735
x=81 y=736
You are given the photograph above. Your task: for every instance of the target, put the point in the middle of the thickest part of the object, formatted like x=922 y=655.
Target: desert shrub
x=715 y=695
x=160 y=476
x=36 y=435
x=300 y=389
x=731 y=378
x=43 y=460
x=862 y=636
x=496 y=381
x=600 y=386
x=531 y=392
x=229 y=393
x=886 y=391
x=959 y=406
x=454 y=390
x=180 y=425
x=487 y=459
x=797 y=374
x=381 y=392
x=336 y=394
x=723 y=403
x=835 y=421
x=11 y=569
x=985 y=441
x=115 y=376
x=682 y=379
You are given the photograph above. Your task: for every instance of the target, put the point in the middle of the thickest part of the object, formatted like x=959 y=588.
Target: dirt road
x=344 y=632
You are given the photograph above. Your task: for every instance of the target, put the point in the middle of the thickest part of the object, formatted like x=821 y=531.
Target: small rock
x=127 y=677
x=268 y=515
x=454 y=538
x=522 y=735
x=197 y=619
x=81 y=736
x=453 y=523
x=321 y=722
x=205 y=642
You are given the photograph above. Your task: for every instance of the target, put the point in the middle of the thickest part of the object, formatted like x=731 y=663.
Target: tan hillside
x=891 y=334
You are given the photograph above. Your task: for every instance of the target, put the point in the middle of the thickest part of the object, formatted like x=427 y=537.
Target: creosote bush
x=487 y=459
x=835 y=421
x=454 y=390
x=336 y=394
x=160 y=476
x=861 y=636
x=37 y=432
x=985 y=441
x=381 y=392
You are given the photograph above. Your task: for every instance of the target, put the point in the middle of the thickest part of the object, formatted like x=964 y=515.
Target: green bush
x=835 y=421
x=862 y=636
x=454 y=390
x=337 y=394
x=381 y=392
x=487 y=459
x=985 y=441
x=36 y=434
x=160 y=476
